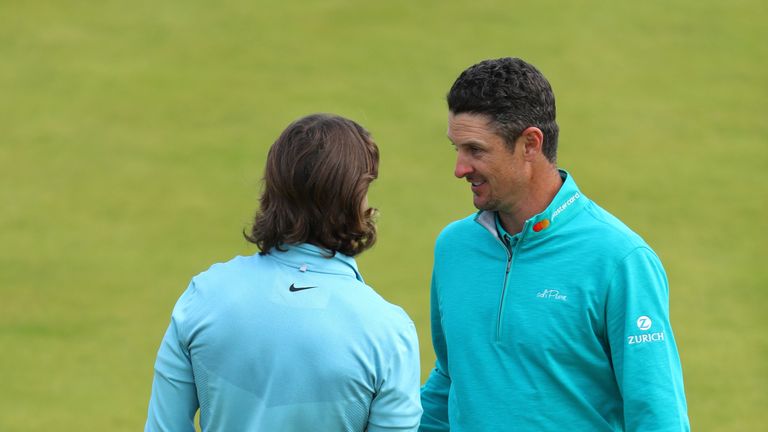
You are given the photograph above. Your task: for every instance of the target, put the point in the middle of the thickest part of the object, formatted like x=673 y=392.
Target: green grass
x=134 y=134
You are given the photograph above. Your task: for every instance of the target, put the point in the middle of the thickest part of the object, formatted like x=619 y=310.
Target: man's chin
x=484 y=205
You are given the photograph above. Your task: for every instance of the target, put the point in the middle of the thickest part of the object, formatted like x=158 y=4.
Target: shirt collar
x=506 y=237
x=311 y=258
x=564 y=206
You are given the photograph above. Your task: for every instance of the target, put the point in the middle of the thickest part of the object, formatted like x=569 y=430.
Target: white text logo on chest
x=551 y=294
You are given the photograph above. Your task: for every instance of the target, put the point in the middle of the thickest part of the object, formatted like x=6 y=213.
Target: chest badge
x=553 y=295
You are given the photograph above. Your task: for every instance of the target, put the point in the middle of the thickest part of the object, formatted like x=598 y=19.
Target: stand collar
x=310 y=258
x=564 y=206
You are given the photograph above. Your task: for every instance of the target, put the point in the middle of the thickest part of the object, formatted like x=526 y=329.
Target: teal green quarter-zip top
x=563 y=325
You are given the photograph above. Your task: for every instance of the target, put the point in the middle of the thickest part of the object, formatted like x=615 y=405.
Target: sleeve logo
x=644 y=323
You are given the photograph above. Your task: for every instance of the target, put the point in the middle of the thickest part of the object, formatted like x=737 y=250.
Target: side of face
x=498 y=175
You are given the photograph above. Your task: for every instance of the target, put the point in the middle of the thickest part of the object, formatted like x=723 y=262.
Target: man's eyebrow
x=471 y=142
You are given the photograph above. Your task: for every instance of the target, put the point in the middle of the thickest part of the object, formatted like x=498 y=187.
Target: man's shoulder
x=387 y=321
x=364 y=298
x=237 y=268
x=459 y=229
x=609 y=230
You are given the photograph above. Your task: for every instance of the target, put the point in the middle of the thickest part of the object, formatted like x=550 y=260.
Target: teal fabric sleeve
x=643 y=350
x=396 y=406
x=434 y=393
x=173 y=403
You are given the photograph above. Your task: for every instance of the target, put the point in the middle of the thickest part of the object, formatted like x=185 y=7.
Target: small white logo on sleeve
x=644 y=323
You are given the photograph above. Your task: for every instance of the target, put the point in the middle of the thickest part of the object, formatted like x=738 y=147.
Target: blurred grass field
x=133 y=135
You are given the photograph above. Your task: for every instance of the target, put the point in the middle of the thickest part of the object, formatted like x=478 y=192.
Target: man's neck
x=541 y=192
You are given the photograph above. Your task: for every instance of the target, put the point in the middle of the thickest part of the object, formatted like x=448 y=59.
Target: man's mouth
x=477 y=186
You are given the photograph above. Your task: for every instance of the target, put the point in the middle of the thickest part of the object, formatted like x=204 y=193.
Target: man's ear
x=532 y=140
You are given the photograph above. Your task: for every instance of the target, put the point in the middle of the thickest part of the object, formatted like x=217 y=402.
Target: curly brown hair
x=514 y=94
x=315 y=186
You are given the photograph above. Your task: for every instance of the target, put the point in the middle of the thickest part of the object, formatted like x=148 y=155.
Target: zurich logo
x=644 y=323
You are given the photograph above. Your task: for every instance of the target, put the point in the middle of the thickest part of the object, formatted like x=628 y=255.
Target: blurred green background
x=133 y=137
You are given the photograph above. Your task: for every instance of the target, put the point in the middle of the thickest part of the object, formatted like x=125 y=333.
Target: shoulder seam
x=609 y=280
x=625 y=233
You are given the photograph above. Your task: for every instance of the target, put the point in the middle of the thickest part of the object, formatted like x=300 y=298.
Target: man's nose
x=462 y=167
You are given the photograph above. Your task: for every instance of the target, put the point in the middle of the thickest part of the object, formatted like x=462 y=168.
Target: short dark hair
x=514 y=94
x=315 y=185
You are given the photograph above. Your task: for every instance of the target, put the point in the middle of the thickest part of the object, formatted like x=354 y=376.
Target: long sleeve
x=396 y=406
x=173 y=403
x=643 y=350
x=434 y=393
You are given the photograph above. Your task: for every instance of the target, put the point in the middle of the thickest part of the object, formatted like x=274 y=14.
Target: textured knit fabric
x=287 y=341
x=563 y=326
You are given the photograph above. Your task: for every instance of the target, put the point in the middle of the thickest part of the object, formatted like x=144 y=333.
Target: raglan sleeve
x=643 y=350
x=396 y=405
x=173 y=403
x=434 y=393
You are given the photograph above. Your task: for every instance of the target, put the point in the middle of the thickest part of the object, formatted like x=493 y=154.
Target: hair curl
x=315 y=186
x=514 y=94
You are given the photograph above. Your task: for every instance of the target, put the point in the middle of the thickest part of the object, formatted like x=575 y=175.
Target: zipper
x=510 y=257
x=511 y=252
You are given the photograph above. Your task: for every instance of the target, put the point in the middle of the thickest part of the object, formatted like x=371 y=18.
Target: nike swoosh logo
x=294 y=288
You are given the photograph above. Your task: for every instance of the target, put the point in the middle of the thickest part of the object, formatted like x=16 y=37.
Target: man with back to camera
x=291 y=339
x=548 y=313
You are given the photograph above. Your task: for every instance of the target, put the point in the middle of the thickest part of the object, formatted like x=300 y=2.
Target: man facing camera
x=548 y=313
